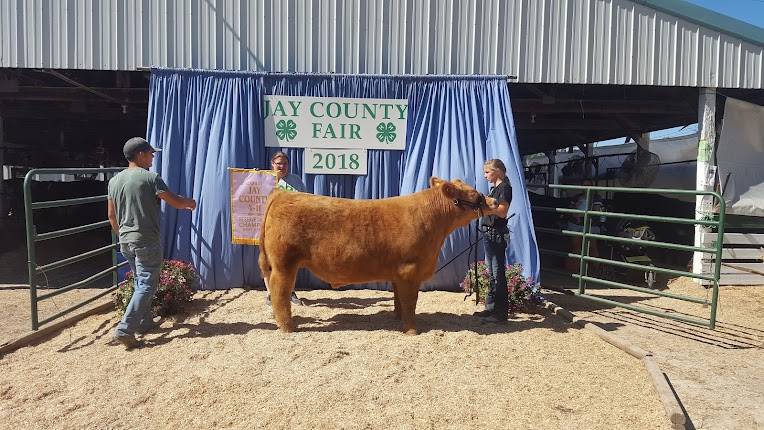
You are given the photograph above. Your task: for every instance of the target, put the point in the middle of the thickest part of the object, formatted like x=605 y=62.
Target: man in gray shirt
x=134 y=211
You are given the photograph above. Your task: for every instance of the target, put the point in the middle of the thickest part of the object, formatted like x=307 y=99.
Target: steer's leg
x=408 y=294
x=281 y=283
x=397 y=301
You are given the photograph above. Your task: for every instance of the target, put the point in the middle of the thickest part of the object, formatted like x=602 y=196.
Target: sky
x=750 y=11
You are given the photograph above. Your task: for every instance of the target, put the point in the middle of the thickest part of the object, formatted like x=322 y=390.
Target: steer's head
x=464 y=196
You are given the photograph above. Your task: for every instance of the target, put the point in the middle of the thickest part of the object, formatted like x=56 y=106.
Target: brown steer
x=345 y=241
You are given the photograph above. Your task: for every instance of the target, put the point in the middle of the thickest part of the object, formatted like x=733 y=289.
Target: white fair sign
x=335 y=161
x=333 y=122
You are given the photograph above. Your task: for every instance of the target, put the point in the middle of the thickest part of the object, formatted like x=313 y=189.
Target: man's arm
x=112 y=211
x=176 y=201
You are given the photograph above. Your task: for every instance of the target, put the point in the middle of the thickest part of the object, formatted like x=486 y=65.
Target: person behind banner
x=496 y=237
x=287 y=182
x=133 y=209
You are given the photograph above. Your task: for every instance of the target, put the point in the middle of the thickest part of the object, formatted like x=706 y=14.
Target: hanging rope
x=468 y=248
x=474 y=285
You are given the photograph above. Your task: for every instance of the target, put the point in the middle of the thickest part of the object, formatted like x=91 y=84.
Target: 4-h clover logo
x=286 y=130
x=386 y=132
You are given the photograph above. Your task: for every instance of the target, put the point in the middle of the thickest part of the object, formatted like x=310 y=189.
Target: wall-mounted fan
x=639 y=169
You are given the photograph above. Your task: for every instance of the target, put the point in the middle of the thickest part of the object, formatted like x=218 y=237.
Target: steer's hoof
x=410 y=332
x=287 y=327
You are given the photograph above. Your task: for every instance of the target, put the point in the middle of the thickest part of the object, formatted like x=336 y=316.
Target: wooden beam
x=603 y=106
x=736 y=268
x=740 y=254
x=545 y=123
x=742 y=279
x=736 y=238
x=33 y=94
x=48 y=112
x=755 y=268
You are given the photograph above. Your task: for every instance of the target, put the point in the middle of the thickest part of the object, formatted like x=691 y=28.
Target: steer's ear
x=450 y=190
x=436 y=181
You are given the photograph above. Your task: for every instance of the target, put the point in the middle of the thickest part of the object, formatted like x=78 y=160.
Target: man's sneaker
x=155 y=322
x=294 y=299
x=129 y=341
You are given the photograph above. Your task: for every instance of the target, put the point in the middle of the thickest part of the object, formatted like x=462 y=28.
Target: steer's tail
x=265 y=265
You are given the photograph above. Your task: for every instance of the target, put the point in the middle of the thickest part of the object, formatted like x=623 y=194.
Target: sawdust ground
x=223 y=365
x=717 y=374
x=15 y=319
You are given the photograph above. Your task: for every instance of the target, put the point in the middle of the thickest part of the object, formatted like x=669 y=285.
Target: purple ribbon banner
x=249 y=191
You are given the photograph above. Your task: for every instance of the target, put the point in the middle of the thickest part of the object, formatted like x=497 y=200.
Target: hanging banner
x=249 y=191
x=334 y=122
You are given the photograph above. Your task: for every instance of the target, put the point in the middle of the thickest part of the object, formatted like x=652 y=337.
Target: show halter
x=475 y=206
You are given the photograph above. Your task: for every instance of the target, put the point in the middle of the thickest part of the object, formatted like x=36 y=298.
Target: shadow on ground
x=724 y=335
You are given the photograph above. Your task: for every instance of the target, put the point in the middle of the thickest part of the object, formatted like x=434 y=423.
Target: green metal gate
x=33 y=238
x=584 y=258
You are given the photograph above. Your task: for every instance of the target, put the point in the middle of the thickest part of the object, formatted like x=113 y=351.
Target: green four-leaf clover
x=386 y=132
x=286 y=130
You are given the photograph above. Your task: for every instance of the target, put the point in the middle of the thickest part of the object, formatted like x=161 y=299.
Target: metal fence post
x=31 y=232
x=718 y=261
x=583 y=265
x=114 y=241
x=115 y=275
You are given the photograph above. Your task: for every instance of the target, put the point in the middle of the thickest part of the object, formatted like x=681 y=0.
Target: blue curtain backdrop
x=207 y=121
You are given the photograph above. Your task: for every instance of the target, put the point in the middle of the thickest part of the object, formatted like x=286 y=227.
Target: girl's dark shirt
x=502 y=193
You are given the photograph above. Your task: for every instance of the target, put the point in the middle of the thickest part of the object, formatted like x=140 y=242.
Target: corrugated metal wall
x=551 y=41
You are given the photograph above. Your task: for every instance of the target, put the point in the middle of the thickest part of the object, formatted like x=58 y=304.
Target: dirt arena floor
x=717 y=374
x=223 y=365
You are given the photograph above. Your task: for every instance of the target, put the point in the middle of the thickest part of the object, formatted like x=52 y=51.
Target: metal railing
x=586 y=234
x=33 y=238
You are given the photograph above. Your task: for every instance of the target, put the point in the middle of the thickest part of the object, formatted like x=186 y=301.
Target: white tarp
x=740 y=158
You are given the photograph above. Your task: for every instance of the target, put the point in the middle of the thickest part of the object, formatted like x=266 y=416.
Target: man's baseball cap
x=135 y=145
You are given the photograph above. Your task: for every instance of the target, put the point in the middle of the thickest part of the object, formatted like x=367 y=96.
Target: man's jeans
x=146 y=263
x=497 y=299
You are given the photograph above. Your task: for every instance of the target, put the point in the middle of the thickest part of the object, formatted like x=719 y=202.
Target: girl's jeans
x=497 y=298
